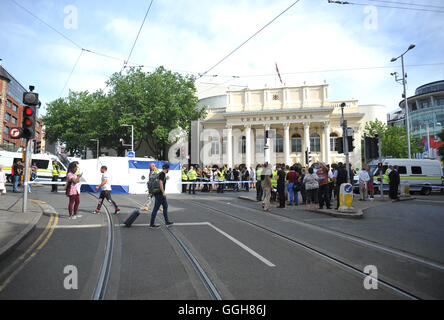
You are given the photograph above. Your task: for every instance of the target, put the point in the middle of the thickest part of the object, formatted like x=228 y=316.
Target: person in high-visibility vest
x=259 y=191
x=55 y=175
x=206 y=179
x=220 y=178
x=386 y=178
x=274 y=185
x=184 y=179
x=192 y=175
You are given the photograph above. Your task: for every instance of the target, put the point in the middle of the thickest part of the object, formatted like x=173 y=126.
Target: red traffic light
x=379 y=164
x=29 y=111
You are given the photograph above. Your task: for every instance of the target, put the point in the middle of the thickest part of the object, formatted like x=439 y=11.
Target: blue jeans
x=291 y=192
x=159 y=200
x=16 y=181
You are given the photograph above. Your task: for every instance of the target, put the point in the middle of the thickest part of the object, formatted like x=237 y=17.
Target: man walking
x=106 y=191
x=160 y=198
x=18 y=172
x=266 y=185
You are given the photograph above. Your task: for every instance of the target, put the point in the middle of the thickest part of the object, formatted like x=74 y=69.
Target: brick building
x=11 y=111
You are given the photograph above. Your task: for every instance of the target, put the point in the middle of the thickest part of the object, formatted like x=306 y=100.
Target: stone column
x=306 y=138
x=287 y=143
x=326 y=142
x=248 y=146
x=229 y=146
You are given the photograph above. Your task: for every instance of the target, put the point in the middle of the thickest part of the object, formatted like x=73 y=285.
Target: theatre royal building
x=298 y=119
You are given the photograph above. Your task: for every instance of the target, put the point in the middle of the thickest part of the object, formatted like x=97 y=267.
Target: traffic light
x=307 y=157
x=371 y=148
x=37 y=146
x=31 y=98
x=339 y=145
x=28 y=123
x=182 y=150
x=350 y=140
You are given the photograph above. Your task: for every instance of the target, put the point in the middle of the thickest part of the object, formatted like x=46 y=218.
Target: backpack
x=154 y=183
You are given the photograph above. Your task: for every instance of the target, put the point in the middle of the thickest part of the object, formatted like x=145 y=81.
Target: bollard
x=346 y=198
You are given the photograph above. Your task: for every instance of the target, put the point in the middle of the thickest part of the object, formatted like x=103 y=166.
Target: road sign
x=15 y=133
x=350 y=132
x=131 y=154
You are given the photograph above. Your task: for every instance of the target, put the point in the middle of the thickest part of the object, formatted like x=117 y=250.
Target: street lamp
x=404 y=81
x=132 y=135
x=97 y=140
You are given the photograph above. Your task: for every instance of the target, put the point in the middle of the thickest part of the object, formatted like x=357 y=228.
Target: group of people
x=208 y=179
x=18 y=172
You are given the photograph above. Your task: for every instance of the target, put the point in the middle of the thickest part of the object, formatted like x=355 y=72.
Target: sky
x=190 y=36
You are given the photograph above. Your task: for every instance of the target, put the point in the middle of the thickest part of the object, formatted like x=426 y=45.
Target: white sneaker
x=74 y=218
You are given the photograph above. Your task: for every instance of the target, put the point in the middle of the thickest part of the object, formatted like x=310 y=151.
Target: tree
x=155 y=103
x=394 y=139
x=441 y=148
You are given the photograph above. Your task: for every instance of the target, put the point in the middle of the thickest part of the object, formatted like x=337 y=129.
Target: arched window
x=333 y=138
x=315 y=142
x=296 y=143
x=279 y=144
x=242 y=145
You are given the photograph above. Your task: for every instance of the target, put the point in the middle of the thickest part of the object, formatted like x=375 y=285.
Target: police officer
x=55 y=175
x=258 y=183
x=220 y=177
x=274 y=185
x=184 y=179
x=192 y=175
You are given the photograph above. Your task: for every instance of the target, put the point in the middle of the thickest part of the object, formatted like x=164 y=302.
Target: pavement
x=356 y=213
x=15 y=225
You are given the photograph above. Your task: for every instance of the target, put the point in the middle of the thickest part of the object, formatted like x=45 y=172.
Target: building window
x=7 y=116
x=14 y=107
x=37 y=134
x=279 y=144
x=5 y=129
x=315 y=142
x=296 y=143
x=8 y=103
x=214 y=147
x=38 y=124
x=242 y=145
x=14 y=120
x=333 y=138
x=259 y=144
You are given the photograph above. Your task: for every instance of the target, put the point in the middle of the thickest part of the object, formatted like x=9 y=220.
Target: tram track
x=313 y=250
x=102 y=283
x=209 y=285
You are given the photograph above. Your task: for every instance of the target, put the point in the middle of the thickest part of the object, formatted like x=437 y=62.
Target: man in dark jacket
x=340 y=178
x=281 y=185
x=395 y=180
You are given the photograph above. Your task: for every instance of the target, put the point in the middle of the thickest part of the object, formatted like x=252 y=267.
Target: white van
x=423 y=175
x=43 y=162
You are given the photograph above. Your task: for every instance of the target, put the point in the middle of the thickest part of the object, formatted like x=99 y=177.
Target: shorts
x=371 y=188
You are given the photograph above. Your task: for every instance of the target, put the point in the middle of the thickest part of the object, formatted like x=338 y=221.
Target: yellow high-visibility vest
x=192 y=174
x=273 y=179
x=386 y=178
x=184 y=175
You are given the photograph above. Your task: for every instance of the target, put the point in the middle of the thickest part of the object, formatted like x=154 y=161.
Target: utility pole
x=381 y=184
x=345 y=141
x=26 y=175
x=365 y=149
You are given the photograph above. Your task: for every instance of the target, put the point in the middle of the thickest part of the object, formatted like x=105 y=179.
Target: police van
x=43 y=162
x=422 y=175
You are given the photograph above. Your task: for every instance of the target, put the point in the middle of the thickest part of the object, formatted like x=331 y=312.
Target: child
x=2 y=181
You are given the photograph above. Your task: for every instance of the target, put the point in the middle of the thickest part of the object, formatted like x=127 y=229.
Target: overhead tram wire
x=409 y=4
x=137 y=37
x=251 y=37
x=72 y=71
x=384 y=6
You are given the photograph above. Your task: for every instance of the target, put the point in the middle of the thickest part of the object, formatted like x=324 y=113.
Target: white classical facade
x=300 y=119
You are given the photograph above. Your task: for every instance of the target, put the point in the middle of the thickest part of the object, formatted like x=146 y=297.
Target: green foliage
x=441 y=148
x=394 y=139
x=155 y=103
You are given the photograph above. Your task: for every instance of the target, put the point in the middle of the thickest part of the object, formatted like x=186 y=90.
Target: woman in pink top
x=71 y=189
x=2 y=181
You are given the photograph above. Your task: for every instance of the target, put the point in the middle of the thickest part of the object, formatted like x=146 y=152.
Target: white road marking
x=433 y=201
x=240 y=244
